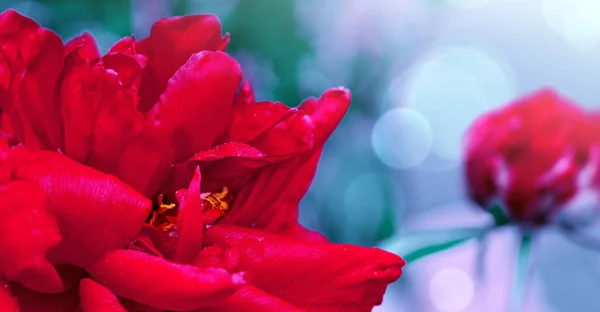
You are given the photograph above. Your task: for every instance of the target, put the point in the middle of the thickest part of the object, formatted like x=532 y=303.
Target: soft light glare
x=576 y=21
x=469 y=4
x=402 y=138
x=451 y=290
x=451 y=87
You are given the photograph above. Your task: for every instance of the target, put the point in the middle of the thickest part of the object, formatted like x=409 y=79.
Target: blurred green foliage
x=68 y=17
x=269 y=30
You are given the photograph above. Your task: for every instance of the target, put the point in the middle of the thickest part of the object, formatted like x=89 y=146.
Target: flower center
x=214 y=206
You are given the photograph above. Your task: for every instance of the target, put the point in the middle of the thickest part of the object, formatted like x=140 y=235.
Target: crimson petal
x=271 y=200
x=97 y=298
x=34 y=56
x=117 y=119
x=30 y=301
x=8 y=302
x=126 y=66
x=327 y=111
x=43 y=278
x=27 y=231
x=77 y=107
x=170 y=44
x=99 y=113
x=245 y=95
x=128 y=46
x=251 y=120
x=157 y=282
x=96 y=213
x=189 y=223
x=198 y=100
x=318 y=275
x=250 y=298
x=193 y=110
x=84 y=46
x=284 y=209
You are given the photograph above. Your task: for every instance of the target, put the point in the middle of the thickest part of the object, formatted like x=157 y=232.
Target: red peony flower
x=529 y=155
x=148 y=180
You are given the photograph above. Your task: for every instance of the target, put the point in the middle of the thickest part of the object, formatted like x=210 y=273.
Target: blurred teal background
x=420 y=71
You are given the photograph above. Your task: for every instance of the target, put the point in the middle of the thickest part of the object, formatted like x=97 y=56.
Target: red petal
x=31 y=301
x=27 y=231
x=48 y=279
x=8 y=303
x=215 y=257
x=99 y=113
x=251 y=120
x=299 y=232
x=145 y=163
x=311 y=275
x=245 y=95
x=97 y=298
x=43 y=278
x=255 y=199
x=278 y=130
x=192 y=111
x=189 y=223
x=196 y=106
x=122 y=58
x=96 y=213
x=232 y=149
x=270 y=200
x=170 y=44
x=327 y=112
x=148 y=240
x=117 y=120
x=160 y=283
x=285 y=208
x=224 y=162
x=283 y=202
x=69 y=275
x=35 y=57
x=83 y=46
x=127 y=67
x=5 y=77
x=78 y=106
x=250 y=298
x=133 y=306
x=127 y=46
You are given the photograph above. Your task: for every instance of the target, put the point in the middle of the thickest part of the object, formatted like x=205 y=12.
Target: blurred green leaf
x=415 y=246
x=271 y=32
x=498 y=214
x=181 y=7
x=521 y=273
x=69 y=16
x=387 y=226
x=431 y=249
x=368 y=79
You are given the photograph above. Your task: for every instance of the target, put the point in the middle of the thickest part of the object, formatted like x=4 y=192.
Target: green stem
x=521 y=273
x=417 y=245
x=431 y=249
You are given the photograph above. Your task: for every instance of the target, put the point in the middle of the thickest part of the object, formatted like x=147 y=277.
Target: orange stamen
x=217 y=201
x=160 y=219
x=214 y=206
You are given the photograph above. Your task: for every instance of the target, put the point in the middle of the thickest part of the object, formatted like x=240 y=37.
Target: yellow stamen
x=219 y=200
x=162 y=207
